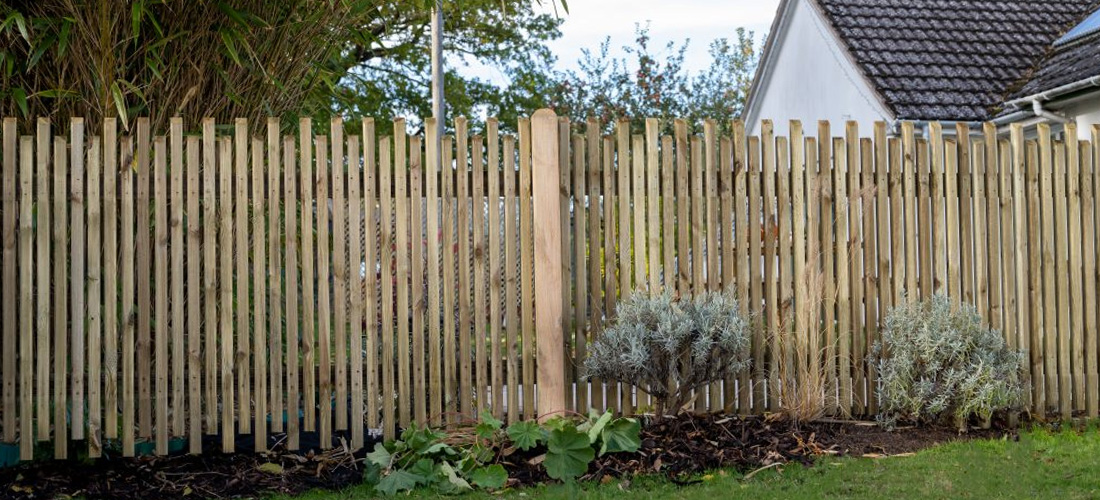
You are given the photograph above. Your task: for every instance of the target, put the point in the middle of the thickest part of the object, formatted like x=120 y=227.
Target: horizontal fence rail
x=241 y=281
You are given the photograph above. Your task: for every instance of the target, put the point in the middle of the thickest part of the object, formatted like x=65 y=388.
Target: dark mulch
x=692 y=444
x=676 y=447
x=210 y=475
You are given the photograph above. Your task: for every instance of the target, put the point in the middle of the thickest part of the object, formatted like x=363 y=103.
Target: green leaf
x=234 y=14
x=557 y=423
x=487 y=425
x=491 y=477
x=20 y=97
x=453 y=479
x=425 y=468
x=398 y=480
x=372 y=472
x=569 y=453
x=21 y=24
x=120 y=104
x=380 y=456
x=63 y=37
x=435 y=448
x=621 y=435
x=230 y=47
x=137 y=11
x=597 y=427
x=526 y=434
x=40 y=50
x=58 y=94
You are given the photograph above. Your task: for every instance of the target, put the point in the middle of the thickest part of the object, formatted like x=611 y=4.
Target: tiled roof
x=950 y=59
x=1072 y=63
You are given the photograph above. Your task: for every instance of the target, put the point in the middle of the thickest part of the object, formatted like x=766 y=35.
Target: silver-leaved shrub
x=936 y=360
x=671 y=346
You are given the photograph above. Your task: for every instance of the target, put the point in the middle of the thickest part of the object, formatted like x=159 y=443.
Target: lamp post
x=438 y=108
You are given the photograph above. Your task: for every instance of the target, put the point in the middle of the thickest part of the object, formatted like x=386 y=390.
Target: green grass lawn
x=1063 y=465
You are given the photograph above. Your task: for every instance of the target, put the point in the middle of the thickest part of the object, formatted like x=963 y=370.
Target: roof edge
x=776 y=38
x=816 y=5
x=776 y=34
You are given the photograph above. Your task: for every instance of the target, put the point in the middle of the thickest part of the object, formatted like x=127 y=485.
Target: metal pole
x=438 y=108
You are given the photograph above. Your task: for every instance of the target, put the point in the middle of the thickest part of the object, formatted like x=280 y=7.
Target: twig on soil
x=766 y=467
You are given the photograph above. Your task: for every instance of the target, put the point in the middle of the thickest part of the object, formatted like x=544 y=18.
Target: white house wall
x=1086 y=113
x=811 y=79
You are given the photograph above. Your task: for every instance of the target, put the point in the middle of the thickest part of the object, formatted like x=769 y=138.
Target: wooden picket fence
x=175 y=286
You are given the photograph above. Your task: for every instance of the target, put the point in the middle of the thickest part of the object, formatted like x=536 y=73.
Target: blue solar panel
x=1090 y=25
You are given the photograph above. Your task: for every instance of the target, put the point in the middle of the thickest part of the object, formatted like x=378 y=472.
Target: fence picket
x=992 y=246
x=210 y=284
x=127 y=319
x=144 y=311
x=449 y=327
x=433 y=241
x=8 y=279
x=78 y=279
x=324 y=290
x=781 y=338
x=26 y=298
x=94 y=196
x=496 y=273
x=338 y=204
x=42 y=309
x=465 y=302
x=60 y=298
x=355 y=270
x=225 y=294
x=195 y=255
x=371 y=286
x=741 y=220
x=387 y=278
x=160 y=345
x=1061 y=274
x=450 y=248
x=1035 y=230
x=1089 y=181
x=259 y=293
x=1075 y=328
x=527 y=263
x=855 y=264
x=418 y=309
x=307 y=176
x=981 y=227
x=176 y=219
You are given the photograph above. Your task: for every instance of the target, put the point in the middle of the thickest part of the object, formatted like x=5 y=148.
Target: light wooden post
x=548 y=279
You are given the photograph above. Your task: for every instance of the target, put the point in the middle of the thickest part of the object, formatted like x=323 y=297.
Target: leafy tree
x=657 y=85
x=482 y=39
x=252 y=58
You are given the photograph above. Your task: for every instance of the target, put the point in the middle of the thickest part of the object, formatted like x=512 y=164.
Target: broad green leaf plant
x=432 y=459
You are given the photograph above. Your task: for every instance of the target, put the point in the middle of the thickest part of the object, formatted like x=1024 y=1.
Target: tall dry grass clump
x=801 y=374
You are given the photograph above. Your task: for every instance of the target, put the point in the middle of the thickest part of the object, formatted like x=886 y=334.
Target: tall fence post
x=548 y=279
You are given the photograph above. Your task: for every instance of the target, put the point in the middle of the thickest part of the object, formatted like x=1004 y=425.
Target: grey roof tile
x=959 y=59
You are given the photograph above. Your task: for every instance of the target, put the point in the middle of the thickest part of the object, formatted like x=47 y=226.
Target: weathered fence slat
x=161 y=286
x=259 y=293
x=8 y=278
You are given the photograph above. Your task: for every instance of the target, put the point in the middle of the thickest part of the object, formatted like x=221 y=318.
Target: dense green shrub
x=936 y=360
x=671 y=346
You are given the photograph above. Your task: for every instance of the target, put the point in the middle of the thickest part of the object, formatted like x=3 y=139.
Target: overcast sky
x=590 y=21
